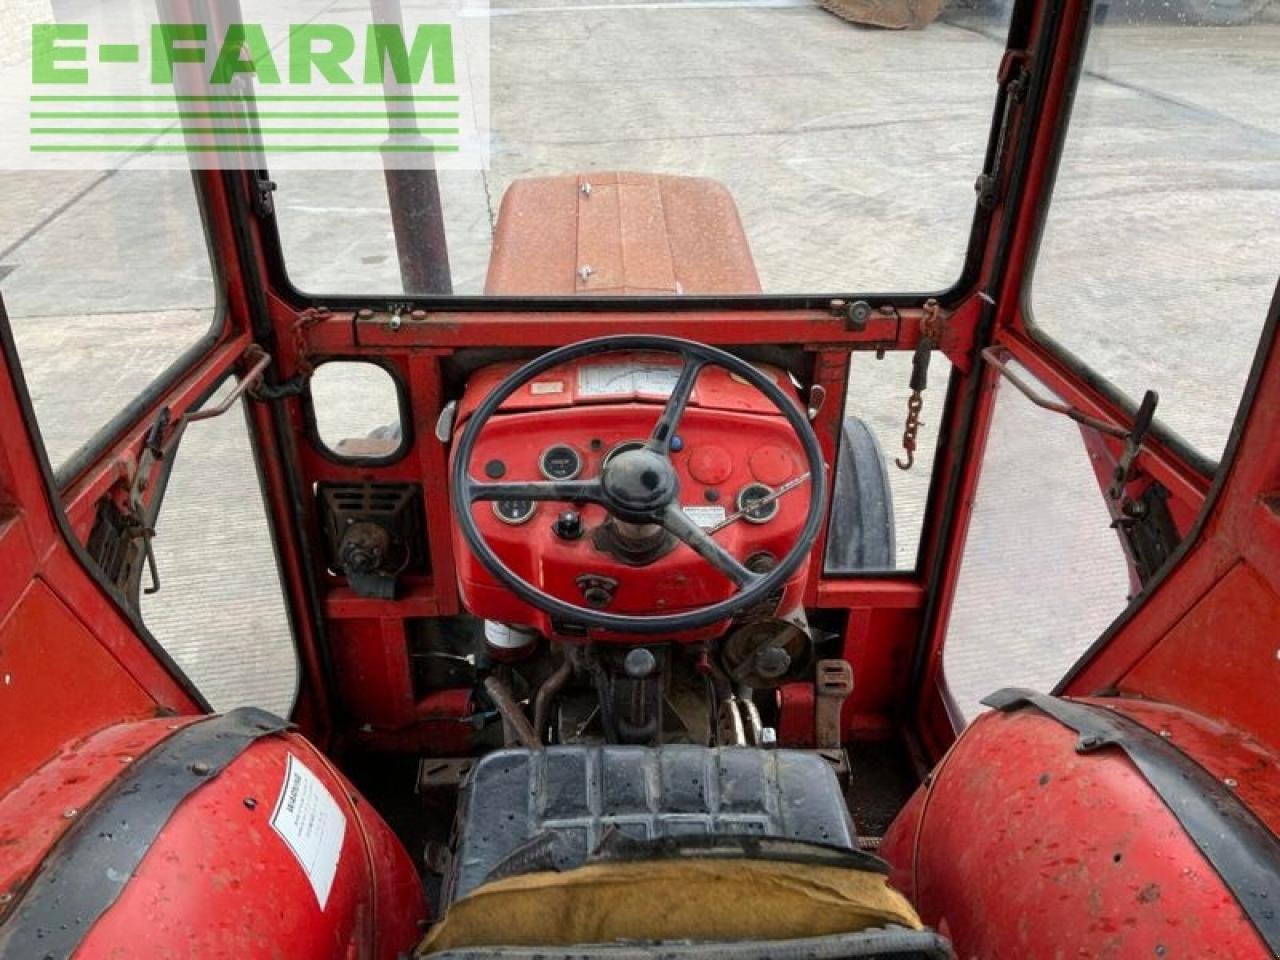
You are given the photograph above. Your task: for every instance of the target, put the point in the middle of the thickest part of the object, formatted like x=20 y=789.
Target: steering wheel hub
x=638 y=483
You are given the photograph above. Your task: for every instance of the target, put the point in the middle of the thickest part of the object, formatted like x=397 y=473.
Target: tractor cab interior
x=605 y=644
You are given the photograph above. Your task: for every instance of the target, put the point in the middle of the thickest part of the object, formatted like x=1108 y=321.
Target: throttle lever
x=1133 y=444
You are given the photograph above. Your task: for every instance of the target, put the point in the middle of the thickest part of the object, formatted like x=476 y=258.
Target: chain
x=306 y=320
x=914 y=403
x=930 y=337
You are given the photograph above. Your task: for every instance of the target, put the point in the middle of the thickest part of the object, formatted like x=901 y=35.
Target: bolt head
x=859 y=313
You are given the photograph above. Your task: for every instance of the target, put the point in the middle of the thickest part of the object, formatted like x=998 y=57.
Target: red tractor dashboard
x=732 y=450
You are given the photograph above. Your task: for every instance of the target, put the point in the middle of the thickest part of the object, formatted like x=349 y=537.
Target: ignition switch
x=597 y=590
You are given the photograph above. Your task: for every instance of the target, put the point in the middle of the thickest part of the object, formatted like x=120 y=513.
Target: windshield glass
x=850 y=151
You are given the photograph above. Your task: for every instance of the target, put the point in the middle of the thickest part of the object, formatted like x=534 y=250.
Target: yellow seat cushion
x=702 y=899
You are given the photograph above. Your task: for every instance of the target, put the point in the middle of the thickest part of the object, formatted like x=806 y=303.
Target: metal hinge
x=264 y=203
x=1014 y=77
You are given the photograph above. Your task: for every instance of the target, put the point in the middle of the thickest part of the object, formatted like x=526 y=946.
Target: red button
x=710 y=465
x=771 y=465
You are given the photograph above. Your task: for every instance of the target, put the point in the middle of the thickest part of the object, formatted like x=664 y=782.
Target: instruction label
x=311 y=824
x=705 y=517
x=643 y=379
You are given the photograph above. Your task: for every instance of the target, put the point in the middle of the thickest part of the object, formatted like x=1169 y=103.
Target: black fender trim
x=1241 y=848
x=91 y=863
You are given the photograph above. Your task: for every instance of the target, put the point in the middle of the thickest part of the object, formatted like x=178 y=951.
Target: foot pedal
x=833 y=682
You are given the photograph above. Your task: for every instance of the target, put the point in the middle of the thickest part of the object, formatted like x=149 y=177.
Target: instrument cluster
x=741 y=478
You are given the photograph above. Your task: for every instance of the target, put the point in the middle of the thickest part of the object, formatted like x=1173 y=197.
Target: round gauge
x=751 y=494
x=622 y=447
x=560 y=462
x=514 y=511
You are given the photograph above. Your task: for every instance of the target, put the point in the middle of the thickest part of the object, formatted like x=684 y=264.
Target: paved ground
x=851 y=153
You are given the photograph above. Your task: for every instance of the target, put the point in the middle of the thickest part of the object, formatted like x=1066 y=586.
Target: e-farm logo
x=228 y=95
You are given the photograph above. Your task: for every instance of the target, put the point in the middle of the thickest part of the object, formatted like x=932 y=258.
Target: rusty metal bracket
x=295 y=385
x=1132 y=437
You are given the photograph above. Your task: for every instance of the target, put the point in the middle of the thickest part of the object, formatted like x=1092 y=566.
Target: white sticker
x=705 y=517
x=540 y=387
x=608 y=379
x=311 y=824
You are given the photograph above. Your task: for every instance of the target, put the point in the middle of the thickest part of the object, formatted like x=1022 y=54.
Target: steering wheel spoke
x=665 y=428
x=570 y=491
x=678 y=523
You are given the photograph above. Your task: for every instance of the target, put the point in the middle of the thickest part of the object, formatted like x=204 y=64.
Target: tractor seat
x=609 y=845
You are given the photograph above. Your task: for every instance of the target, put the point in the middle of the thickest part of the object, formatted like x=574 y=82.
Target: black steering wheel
x=638 y=486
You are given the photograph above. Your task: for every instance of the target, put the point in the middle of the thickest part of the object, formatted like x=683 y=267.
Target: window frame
x=404 y=411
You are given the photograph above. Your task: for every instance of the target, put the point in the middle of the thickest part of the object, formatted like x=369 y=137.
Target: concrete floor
x=851 y=154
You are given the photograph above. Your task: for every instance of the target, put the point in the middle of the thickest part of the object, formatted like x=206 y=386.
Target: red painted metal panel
x=58 y=684
x=877 y=646
x=371 y=664
x=1223 y=658
x=1022 y=847
x=1205 y=637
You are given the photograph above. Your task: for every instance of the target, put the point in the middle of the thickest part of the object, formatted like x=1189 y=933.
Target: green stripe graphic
x=232 y=148
x=241 y=98
x=118 y=53
x=242 y=131
x=231 y=115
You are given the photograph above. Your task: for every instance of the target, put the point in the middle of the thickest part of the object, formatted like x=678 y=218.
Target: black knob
x=569 y=525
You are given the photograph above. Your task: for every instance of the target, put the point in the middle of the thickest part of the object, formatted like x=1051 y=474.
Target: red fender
x=1018 y=846
x=274 y=855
